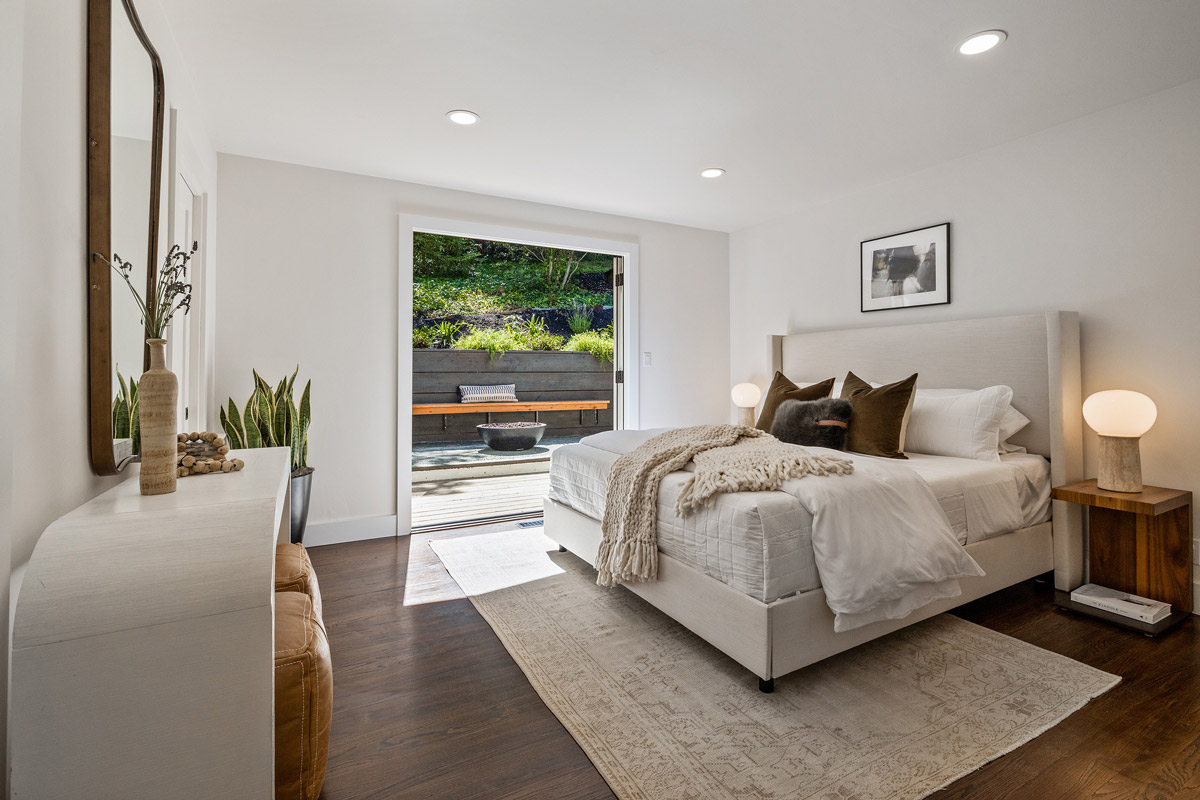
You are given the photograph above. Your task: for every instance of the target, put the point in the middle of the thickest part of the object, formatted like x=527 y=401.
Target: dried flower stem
x=170 y=292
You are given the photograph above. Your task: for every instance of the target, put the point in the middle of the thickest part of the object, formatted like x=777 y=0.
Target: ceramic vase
x=158 y=393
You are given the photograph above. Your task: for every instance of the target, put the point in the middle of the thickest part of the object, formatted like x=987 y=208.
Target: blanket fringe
x=634 y=561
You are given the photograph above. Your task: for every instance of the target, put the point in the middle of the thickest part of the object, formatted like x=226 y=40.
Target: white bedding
x=760 y=543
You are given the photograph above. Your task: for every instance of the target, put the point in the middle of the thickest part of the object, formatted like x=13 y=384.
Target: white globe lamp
x=746 y=397
x=1121 y=417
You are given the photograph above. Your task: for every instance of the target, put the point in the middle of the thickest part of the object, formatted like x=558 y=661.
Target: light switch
x=646 y=359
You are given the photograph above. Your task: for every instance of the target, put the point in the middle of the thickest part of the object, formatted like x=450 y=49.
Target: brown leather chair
x=303 y=698
x=294 y=573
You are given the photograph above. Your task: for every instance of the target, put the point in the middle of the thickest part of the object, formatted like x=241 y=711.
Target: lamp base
x=1120 y=464
x=746 y=416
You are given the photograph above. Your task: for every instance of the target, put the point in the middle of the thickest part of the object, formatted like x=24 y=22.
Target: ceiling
x=615 y=106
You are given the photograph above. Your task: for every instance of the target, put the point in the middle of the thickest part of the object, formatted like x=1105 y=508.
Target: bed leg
x=562 y=549
x=766 y=686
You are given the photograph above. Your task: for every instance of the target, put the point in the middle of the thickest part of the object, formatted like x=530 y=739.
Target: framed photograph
x=906 y=269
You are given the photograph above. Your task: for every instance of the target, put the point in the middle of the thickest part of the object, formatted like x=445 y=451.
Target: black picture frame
x=905 y=270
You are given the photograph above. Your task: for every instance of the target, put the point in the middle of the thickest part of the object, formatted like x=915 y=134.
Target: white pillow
x=1011 y=423
x=964 y=425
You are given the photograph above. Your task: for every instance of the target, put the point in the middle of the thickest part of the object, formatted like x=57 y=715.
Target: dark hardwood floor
x=428 y=704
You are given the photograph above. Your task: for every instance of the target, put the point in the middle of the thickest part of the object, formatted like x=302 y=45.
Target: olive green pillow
x=783 y=389
x=880 y=415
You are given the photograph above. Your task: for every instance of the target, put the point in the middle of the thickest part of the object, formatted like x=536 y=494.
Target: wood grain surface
x=485 y=408
x=428 y=704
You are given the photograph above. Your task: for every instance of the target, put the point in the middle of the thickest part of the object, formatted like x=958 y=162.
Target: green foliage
x=454 y=296
x=473 y=276
x=535 y=335
x=496 y=342
x=444 y=333
x=125 y=421
x=598 y=343
x=438 y=256
x=559 y=265
x=495 y=293
x=423 y=337
x=271 y=419
x=580 y=320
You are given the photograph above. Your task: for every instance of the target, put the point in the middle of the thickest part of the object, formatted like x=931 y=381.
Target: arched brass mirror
x=124 y=146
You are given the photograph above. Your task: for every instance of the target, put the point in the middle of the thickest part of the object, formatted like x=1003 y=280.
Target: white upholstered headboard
x=1036 y=354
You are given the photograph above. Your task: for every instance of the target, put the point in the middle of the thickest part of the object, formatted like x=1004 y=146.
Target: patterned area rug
x=664 y=715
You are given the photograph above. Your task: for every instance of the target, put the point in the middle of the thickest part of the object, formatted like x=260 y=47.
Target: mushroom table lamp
x=746 y=397
x=1121 y=418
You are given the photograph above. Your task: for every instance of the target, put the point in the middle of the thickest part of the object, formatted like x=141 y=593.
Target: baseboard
x=349 y=530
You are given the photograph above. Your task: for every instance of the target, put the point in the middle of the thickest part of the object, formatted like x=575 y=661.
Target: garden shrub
x=580 y=320
x=422 y=337
x=598 y=343
x=494 y=341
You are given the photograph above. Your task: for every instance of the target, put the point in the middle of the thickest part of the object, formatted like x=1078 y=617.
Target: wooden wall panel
x=538 y=376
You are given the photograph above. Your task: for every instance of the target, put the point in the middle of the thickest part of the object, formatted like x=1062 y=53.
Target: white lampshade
x=746 y=395
x=1119 y=412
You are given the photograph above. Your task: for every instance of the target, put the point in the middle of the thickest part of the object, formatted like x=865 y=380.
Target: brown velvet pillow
x=880 y=415
x=782 y=389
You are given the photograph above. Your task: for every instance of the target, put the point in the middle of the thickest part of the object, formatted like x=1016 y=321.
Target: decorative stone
x=203 y=452
x=1120 y=464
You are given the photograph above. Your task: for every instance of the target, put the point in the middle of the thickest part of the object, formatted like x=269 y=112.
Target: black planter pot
x=301 y=485
x=511 y=439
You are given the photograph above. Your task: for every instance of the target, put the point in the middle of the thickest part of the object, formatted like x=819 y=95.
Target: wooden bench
x=537 y=406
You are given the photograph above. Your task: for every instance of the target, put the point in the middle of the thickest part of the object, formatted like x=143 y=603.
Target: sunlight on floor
x=489 y=552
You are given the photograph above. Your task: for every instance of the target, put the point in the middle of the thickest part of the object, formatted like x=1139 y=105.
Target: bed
x=735 y=579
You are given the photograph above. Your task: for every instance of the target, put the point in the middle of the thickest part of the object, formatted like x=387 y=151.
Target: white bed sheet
x=760 y=543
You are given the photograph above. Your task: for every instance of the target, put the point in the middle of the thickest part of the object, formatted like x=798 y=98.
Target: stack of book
x=1123 y=603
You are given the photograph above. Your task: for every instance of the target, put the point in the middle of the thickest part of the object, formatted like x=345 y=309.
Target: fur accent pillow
x=814 y=423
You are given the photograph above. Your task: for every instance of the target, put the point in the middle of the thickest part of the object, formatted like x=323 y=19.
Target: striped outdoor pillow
x=504 y=393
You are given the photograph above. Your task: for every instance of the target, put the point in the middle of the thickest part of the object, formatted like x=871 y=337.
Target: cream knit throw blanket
x=729 y=458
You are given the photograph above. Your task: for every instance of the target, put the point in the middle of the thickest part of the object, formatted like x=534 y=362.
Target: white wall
x=54 y=473
x=51 y=362
x=11 y=58
x=1100 y=215
x=43 y=372
x=309 y=275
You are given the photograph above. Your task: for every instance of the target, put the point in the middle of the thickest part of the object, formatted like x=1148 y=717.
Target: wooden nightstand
x=1138 y=542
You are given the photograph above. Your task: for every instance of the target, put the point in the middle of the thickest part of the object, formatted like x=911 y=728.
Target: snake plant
x=271 y=418
x=125 y=412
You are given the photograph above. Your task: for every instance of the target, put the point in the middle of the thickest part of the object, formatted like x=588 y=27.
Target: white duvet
x=882 y=545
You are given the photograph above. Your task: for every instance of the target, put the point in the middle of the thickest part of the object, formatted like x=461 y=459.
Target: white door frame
x=410 y=224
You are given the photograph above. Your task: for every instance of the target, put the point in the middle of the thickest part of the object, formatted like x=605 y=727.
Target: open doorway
x=516 y=351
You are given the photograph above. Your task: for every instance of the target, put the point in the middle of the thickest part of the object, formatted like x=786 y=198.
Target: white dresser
x=143 y=645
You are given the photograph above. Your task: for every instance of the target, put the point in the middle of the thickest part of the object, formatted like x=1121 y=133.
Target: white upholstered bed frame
x=1037 y=355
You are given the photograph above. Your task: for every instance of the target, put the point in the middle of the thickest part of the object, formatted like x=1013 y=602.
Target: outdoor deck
x=459 y=482
x=462 y=482
x=450 y=455
x=443 y=502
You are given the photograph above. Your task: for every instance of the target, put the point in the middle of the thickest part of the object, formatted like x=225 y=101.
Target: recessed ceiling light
x=462 y=117
x=981 y=42
x=712 y=172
